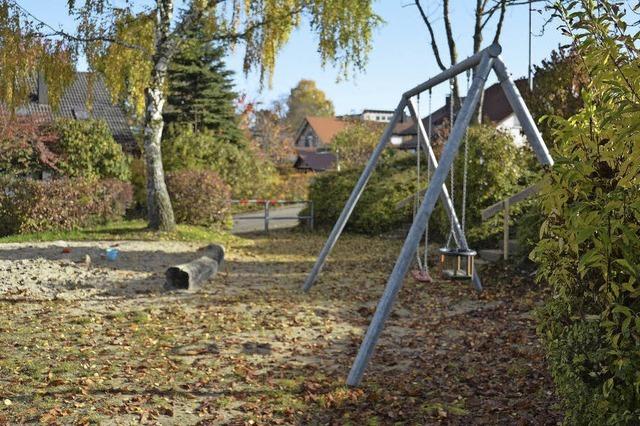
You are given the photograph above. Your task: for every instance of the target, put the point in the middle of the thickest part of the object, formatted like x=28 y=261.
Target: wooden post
x=505 y=243
x=311 y=215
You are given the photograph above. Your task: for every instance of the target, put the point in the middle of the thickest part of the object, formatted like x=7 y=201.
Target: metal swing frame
x=482 y=62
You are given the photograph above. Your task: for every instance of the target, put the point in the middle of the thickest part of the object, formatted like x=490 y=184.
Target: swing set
x=457 y=262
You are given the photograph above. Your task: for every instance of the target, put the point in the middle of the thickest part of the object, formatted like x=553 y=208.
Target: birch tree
x=139 y=55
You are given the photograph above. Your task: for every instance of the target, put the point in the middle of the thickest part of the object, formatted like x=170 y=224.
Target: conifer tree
x=201 y=89
x=135 y=59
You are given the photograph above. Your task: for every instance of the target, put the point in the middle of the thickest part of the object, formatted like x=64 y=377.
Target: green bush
x=87 y=149
x=200 y=197
x=495 y=165
x=496 y=169
x=590 y=247
x=139 y=182
x=353 y=145
x=28 y=205
x=242 y=167
x=393 y=180
x=528 y=228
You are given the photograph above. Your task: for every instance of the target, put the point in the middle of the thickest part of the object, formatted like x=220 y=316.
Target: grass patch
x=126 y=230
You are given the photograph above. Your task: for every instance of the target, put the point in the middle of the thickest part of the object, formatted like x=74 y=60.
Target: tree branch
x=449 y=32
x=434 y=45
x=498 y=5
x=477 y=30
x=55 y=32
x=452 y=53
x=503 y=9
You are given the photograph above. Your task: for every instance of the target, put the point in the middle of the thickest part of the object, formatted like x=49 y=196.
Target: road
x=242 y=225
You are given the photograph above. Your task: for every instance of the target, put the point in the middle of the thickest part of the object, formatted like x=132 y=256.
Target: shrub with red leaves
x=26 y=144
x=200 y=197
x=28 y=205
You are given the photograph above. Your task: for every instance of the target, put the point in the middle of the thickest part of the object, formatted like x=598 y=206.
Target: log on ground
x=191 y=276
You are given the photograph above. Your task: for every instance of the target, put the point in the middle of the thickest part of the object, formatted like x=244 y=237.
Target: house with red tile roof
x=495 y=110
x=313 y=140
x=316 y=133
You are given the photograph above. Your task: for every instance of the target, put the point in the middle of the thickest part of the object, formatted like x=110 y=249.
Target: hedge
x=200 y=197
x=28 y=205
x=496 y=166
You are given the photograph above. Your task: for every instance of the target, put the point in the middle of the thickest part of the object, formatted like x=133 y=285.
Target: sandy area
x=79 y=270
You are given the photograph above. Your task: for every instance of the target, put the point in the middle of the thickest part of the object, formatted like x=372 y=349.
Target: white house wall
x=381 y=117
x=511 y=125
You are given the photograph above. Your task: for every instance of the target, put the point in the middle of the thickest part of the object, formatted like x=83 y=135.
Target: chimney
x=43 y=93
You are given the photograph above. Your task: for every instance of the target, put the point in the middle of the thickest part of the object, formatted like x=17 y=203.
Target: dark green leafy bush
x=28 y=205
x=87 y=149
x=241 y=166
x=200 y=197
x=496 y=170
x=590 y=247
x=495 y=165
x=393 y=180
x=528 y=228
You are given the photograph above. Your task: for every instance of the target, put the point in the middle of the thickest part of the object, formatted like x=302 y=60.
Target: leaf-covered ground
x=253 y=349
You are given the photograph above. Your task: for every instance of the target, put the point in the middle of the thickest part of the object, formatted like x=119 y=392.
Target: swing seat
x=457 y=264
x=459 y=275
x=421 y=276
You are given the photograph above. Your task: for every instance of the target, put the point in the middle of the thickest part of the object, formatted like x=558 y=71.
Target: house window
x=308 y=141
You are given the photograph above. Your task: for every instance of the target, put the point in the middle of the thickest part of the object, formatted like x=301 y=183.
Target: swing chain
x=465 y=172
x=451 y=171
x=416 y=201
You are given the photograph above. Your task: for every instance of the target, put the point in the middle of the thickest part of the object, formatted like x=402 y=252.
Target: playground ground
x=114 y=348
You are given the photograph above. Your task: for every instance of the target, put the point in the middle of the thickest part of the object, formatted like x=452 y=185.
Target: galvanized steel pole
x=460 y=67
x=417 y=228
x=522 y=112
x=458 y=232
x=353 y=198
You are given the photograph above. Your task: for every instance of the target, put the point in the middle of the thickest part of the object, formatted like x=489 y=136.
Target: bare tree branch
x=498 y=5
x=56 y=32
x=453 y=54
x=503 y=10
x=477 y=31
x=434 y=45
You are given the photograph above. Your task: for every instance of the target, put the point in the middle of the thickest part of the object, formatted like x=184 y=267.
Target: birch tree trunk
x=160 y=211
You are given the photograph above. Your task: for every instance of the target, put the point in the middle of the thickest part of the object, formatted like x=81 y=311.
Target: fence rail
x=268 y=204
x=504 y=206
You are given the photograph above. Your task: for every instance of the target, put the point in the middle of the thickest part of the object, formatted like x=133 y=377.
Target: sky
x=400 y=59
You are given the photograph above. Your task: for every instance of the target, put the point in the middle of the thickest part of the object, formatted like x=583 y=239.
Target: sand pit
x=80 y=270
